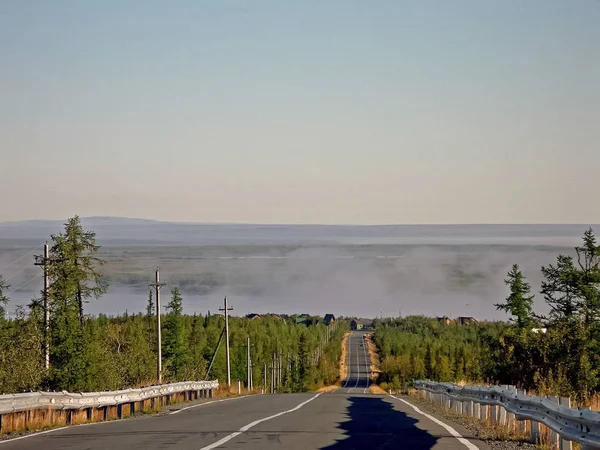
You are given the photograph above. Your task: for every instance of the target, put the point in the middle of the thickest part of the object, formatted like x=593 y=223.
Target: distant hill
x=131 y=231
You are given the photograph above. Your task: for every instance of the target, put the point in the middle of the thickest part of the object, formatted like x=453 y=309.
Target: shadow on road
x=374 y=424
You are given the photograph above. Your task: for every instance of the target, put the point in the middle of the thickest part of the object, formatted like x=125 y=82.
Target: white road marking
x=43 y=432
x=208 y=403
x=349 y=360
x=367 y=365
x=358 y=373
x=256 y=422
x=448 y=428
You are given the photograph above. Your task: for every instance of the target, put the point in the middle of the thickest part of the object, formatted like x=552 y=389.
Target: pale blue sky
x=301 y=112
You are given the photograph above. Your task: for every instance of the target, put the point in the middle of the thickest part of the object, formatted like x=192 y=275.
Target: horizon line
x=158 y=221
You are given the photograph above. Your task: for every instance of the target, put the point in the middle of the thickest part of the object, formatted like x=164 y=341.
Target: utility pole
x=248 y=365
x=280 y=367
x=273 y=374
x=265 y=378
x=43 y=261
x=225 y=311
x=157 y=285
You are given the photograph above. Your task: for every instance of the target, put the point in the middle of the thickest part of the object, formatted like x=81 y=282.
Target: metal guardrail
x=571 y=424
x=12 y=403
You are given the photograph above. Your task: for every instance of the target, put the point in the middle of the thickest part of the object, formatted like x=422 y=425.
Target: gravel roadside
x=487 y=434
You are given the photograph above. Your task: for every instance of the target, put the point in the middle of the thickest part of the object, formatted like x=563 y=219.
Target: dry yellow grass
x=375 y=389
x=343 y=367
x=373 y=357
x=328 y=388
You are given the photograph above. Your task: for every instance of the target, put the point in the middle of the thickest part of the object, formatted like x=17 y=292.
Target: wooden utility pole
x=248 y=366
x=265 y=378
x=225 y=310
x=43 y=261
x=157 y=285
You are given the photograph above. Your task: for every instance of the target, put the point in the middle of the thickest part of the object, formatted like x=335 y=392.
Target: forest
x=557 y=353
x=88 y=353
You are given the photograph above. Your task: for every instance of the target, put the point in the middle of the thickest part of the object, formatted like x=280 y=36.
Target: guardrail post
x=484 y=412
x=510 y=417
x=447 y=402
x=105 y=413
x=468 y=407
x=522 y=424
x=494 y=414
x=89 y=413
x=0 y=423
x=131 y=408
x=210 y=393
x=196 y=394
x=168 y=399
x=69 y=417
x=120 y=411
x=553 y=435
x=564 y=444
x=477 y=410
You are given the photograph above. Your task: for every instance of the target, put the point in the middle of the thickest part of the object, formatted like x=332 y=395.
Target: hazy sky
x=301 y=111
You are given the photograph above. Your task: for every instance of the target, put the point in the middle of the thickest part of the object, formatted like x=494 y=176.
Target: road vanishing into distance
x=347 y=418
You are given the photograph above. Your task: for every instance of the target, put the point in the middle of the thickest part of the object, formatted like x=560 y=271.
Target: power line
x=24 y=284
x=25 y=255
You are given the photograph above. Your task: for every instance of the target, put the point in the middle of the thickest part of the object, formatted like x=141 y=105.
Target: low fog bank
x=349 y=280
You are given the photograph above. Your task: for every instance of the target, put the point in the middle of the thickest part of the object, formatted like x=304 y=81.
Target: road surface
x=358 y=365
x=345 y=419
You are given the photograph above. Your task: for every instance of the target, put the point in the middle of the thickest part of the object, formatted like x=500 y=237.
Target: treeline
x=99 y=353
x=418 y=347
x=557 y=353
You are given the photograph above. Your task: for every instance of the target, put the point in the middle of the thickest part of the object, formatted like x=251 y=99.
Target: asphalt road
x=346 y=419
x=358 y=365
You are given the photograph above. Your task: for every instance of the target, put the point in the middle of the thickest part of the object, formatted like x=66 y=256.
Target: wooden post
x=564 y=444
x=522 y=424
x=510 y=417
x=484 y=412
x=494 y=414
x=553 y=436
x=468 y=407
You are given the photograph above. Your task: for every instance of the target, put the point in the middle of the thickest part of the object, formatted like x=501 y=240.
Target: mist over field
x=348 y=270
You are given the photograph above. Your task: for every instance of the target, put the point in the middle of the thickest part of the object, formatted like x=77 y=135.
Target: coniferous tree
x=588 y=260
x=175 y=342
x=428 y=363
x=559 y=289
x=3 y=298
x=72 y=269
x=519 y=303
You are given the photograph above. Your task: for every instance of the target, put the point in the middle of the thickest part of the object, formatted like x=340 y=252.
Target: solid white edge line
x=39 y=433
x=367 y=365
x=256 y=422
x=349 y=361
x=6 y=441
x=448 y=428
x=358 y=373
